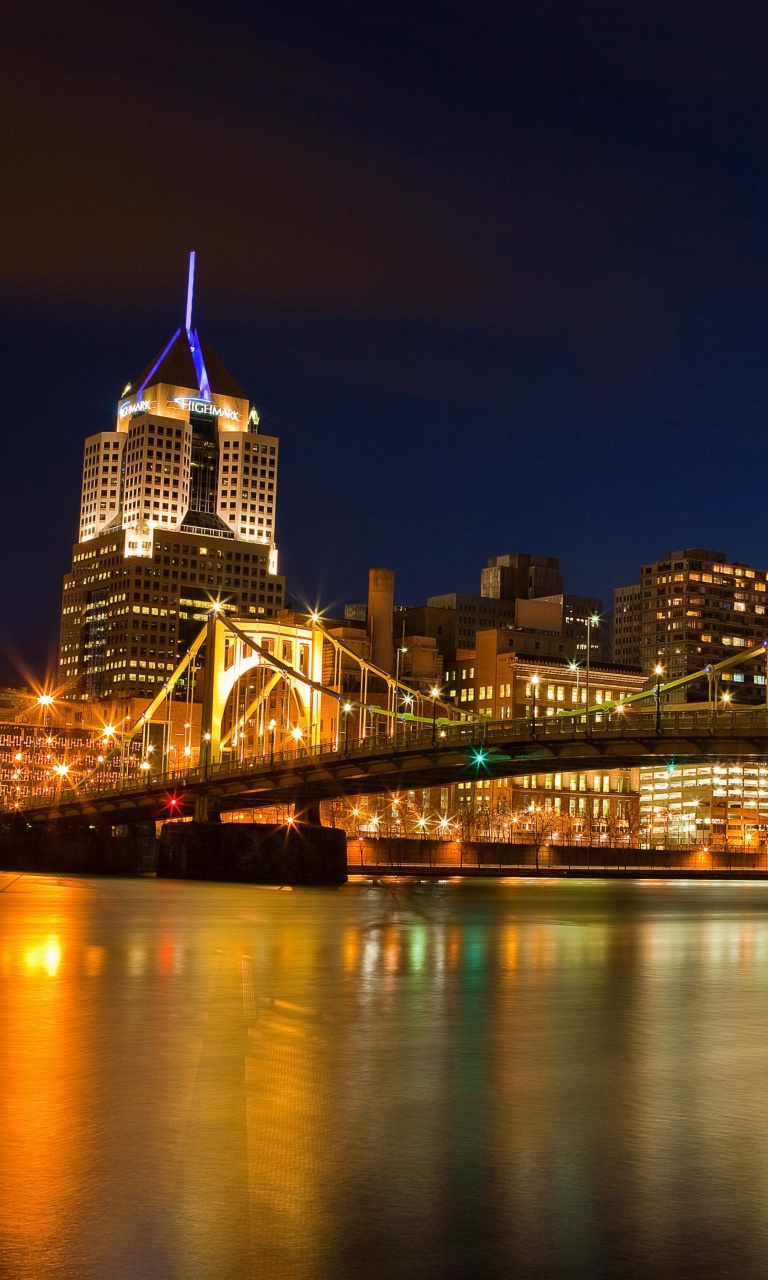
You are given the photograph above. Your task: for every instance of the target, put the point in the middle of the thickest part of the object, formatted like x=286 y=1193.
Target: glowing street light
x=434 y=694
x=658 y=672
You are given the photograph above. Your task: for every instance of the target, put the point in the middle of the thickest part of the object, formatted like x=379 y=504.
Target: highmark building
x=178 y=509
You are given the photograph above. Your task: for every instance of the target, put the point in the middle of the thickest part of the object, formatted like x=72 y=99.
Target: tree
x=541 y=824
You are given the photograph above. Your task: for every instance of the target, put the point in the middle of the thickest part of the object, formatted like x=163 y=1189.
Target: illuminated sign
x=206 y=406
x=128 y=410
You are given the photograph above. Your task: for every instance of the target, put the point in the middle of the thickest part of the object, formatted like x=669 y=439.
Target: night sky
x=495 y=274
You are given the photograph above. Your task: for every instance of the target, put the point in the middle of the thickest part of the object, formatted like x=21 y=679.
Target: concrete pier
x=298 y=853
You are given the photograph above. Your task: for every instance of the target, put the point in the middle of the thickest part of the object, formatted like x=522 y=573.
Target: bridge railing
x=613 y=721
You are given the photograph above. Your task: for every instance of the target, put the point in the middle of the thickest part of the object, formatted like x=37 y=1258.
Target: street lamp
x=400 y=650
x=659 y=672
x=435 y=694
x=45 y=702
x=62 y=772
x=272 y=726
x=346 y=709
x=592 y=621
x=534 y=687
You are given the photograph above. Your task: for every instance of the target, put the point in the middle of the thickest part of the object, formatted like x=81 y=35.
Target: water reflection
x=393 y=1079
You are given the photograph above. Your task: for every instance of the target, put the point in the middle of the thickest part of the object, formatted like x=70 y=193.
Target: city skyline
x=384 y=659
x=348 y=571
x=504 y=290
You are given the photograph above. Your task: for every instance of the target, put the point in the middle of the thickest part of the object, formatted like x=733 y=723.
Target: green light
x=479 y=756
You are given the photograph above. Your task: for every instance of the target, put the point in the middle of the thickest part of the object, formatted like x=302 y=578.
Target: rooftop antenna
x=190 y=289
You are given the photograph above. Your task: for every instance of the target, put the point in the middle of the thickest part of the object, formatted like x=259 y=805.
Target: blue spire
x=204 y=385
x=190 y=290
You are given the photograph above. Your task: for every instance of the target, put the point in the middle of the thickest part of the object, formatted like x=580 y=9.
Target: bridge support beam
x=206 y=809
x=307 y=812
x=214 y=695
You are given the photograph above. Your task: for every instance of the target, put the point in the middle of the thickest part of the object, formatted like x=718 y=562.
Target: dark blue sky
x=494 y=273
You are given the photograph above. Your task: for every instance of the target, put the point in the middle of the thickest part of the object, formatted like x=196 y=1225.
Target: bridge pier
x=300 y=851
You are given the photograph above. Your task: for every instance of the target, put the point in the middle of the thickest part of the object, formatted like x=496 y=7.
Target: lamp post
x=407 y=703
x=574 y=666
x=401 y=648
x=272 y=726
x=346 y=709
x=435 y=692
x=534 y=687
x=592 y=621
x=658 y=671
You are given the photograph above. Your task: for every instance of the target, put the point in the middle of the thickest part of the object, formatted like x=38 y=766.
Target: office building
x=627 y=625
x=698 y=609
x=178 y=509
x=496 y=677
x=520 y=575
x=718 y=806
x=584 y=622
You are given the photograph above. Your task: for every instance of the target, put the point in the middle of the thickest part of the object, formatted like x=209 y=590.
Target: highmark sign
x=127 y=410
x=192 y=405
x=189 y=403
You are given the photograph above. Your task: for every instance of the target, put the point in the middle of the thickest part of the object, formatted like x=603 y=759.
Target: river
x=445 y=1079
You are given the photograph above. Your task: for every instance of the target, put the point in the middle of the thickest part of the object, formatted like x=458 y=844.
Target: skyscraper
x=178 y=509
x=699 y=609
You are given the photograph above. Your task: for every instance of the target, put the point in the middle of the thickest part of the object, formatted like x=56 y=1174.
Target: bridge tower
x=245 y=666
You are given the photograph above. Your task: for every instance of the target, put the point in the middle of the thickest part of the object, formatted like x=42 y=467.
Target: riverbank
x=423 y=871
x=483 y=858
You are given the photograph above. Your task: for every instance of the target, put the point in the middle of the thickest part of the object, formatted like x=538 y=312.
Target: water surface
x=493 y=1078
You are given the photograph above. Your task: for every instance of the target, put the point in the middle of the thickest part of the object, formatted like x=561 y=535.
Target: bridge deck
x=461 y=752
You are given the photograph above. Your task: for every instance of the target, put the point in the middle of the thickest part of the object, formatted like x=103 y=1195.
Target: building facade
x=698 y=609
x=178 y=509
x=520 y=575
x=717 y=806
x=627 y=625
x=578 y=625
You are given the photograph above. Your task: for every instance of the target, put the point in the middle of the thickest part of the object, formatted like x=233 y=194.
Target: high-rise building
x=577 y=625
x=627 y=625
x=178 y=509
x=520 y=575
x=698 y=609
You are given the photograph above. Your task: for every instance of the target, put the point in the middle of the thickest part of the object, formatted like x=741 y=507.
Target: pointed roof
x=219 y=377
x=188 y=361
x=175 y=365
